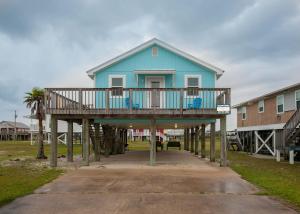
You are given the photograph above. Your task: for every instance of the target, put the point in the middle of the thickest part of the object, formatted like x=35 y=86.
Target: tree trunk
x=41 y=153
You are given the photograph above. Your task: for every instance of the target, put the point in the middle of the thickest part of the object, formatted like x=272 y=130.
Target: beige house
x=270 y=121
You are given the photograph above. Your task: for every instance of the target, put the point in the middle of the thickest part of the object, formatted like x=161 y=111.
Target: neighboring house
x=144 y=134
x=10 y=130
x=62 y=129
x=153 y=86
x=266 y=122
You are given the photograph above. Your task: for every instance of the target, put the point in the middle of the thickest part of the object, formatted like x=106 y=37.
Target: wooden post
x=53 y=157
x=70 y=142
x=188 y=137
x=86 y=141
x=153 y=142
x=192 y=140
x=184 y=139
x=223 y=161
x=196 y=140
x=181 y=101
x=97 y=148
x=203 y=141
x=212 y=142
x=107 y=100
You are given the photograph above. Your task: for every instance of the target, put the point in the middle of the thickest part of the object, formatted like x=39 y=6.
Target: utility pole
x=15 y=134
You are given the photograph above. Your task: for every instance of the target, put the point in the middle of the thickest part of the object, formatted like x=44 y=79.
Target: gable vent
x=154 y=51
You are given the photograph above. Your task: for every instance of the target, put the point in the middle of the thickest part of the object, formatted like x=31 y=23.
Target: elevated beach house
x=153 y=86
x=270 y=122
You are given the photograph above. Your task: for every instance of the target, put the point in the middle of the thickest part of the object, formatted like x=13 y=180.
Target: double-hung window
x=280 y=104
x=297 y=96
x=117 y=83
x=244 y=113
x=192 y=83
x=261 y=106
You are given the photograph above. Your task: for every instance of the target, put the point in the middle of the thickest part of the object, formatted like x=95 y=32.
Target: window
x=297 y=95
x=154 y=51
x=192 y=84
x=280 y=104
x=261 y=106
x=244 y=113
x=117 y=84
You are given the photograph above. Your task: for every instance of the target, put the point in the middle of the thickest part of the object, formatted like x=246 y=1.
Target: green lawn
x=20 y=172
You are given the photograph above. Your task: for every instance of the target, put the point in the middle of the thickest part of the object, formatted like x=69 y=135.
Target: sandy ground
x=179 y=183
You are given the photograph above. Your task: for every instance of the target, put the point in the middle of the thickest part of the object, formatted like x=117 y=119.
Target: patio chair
x=134 y=105
x=197 y=102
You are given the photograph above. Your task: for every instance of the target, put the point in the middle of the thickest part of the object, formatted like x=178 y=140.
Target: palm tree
x=35 y=101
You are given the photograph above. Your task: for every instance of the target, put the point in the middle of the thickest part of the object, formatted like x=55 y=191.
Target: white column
x=291 y=156
x=278 y=155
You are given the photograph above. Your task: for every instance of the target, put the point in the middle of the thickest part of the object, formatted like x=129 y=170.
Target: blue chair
x=134 y=106
x=197 y=102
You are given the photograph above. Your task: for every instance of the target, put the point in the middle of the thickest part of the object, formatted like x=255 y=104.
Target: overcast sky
x=52 y=43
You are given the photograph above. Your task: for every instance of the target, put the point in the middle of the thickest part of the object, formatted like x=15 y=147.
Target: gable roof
x=268 y=95
x=147 y=44
x=11 y=124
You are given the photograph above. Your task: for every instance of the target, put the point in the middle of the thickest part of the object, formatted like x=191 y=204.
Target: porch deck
x=138 y=102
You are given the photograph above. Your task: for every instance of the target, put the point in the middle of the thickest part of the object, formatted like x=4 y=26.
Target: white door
x=155 y=98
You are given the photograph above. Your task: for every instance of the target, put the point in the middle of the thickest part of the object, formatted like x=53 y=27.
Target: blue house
x=154 y=85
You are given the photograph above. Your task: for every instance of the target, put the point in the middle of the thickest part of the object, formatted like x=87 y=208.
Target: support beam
x=203 y=141
x=86 y=141
x=192 y=140
x=53 y=157
x=212 y=142
x=97 y=148
x=153 y=143
x=188 y=138
x=196 y=140
x=70 y=142
x=223 y=161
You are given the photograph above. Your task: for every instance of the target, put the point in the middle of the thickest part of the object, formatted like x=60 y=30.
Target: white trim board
x=262 y=127
x=91 y=72
x=156 y=71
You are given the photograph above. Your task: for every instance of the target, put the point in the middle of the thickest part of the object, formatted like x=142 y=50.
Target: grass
x=281 y=180
x=20 y=172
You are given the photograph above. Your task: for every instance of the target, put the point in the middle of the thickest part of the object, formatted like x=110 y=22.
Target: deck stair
x=233 y=141
x=291 y=134
x=292 y=130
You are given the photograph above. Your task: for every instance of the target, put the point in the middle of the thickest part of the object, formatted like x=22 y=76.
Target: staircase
x=291 y=130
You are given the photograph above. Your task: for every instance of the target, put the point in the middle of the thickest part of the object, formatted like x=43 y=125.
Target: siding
x=166 y=59
x=269 y=116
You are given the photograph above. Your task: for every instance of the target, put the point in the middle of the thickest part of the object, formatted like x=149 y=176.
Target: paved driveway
x=180 y=183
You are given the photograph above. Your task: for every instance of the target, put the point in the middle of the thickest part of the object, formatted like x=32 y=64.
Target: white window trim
x=242 y=112
x=281 y=95
x=186 y=83
x=262 y=106
x=297 y=91
x=116 y=76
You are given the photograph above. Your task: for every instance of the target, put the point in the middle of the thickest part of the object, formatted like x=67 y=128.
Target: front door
x=155 y=97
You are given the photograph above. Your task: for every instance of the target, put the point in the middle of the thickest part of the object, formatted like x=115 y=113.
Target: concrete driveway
x=180 y=183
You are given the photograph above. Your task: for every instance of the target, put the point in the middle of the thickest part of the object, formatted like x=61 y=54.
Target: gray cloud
x=52 y=43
